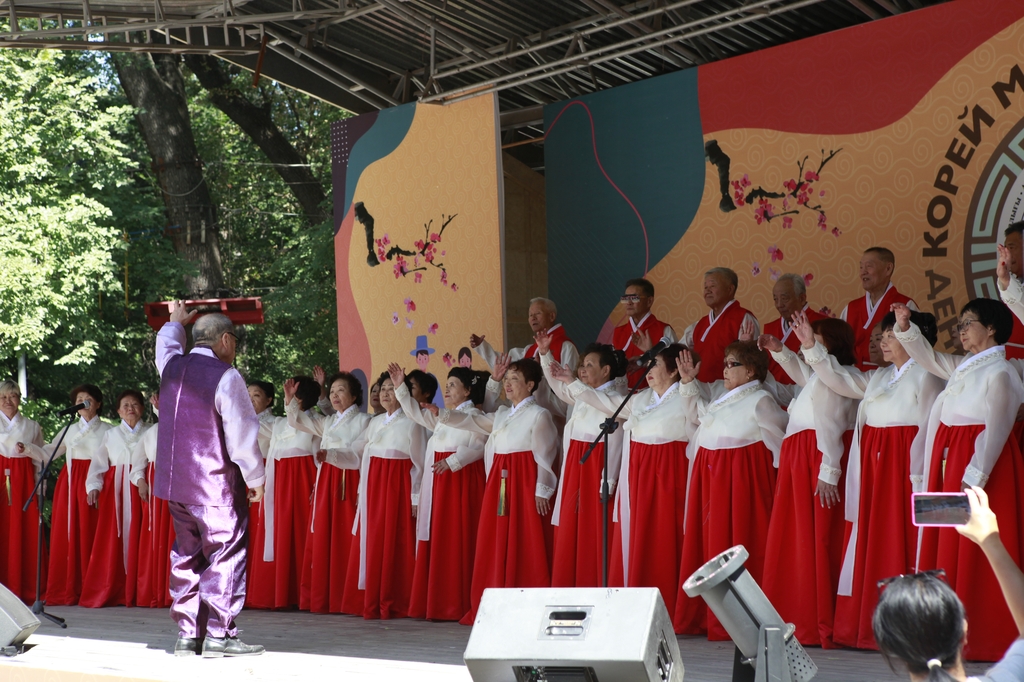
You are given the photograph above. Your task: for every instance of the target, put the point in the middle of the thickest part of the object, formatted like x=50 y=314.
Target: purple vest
x=192 y=464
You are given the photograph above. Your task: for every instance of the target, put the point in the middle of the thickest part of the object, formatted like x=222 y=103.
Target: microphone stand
x=38 y=606
x=608 y=427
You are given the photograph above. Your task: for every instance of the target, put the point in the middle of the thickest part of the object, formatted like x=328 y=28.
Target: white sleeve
x=670 y=334
x=417 y=453
x=170 y=341
x=241 y=427
x=797 y=370
x=487 y=352
x=557 y=387
x=494 y=396
x=545 y=452
x=749 y=317
x=1002 y=398
x=474 y=423
x=98 y=466
x=300 y=420
x=465 y=454
x=941 y=365
x=137 y=472
x=931 y=387
x=847 y=381
x=570 y=356
x=1013 y=297
x=913 y=306
x=842 y=315
x=600 y=400
x=424 y=418
x=829 y=429
x=325 y=406
x=687 y=339
x=772 y=421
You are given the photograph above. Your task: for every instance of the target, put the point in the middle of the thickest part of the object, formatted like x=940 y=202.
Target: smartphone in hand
x=940 y=509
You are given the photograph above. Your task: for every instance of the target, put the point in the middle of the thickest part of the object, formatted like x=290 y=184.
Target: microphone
x=84 y=405
x=655 y=349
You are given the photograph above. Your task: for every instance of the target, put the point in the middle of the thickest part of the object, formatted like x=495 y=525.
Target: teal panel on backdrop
x=624 y=176
x=387 y=133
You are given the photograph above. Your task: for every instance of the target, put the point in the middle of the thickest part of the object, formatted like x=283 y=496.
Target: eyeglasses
x=233 y=335
x=936 y=573
x=965 y=325
x=729 y=364
x=631 y=298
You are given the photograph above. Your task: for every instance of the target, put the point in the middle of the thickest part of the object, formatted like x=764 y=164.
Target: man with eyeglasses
x=727 y=321
x=864 y=314
x=641 y=329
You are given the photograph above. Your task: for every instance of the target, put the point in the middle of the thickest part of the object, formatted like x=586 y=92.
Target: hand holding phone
x=940 y=509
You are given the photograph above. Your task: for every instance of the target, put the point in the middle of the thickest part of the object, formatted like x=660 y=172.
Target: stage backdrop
x=906 y=133
x=418 y=234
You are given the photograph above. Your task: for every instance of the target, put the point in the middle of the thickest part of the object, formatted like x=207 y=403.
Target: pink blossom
x=455 y=287
x=785 y=203
x=821 y=193
x=432 y=328
x=418 y=244
x=821 y=222
x=418 y=277
x=434 y=237
x=787 y=222
x=790 y=185
x=836 y=231
x=399 y=268
x=811 y=176
x=755 y=269
x=410 y=305
x=444 y=253
x=385 y=240
x=775 y=252
x=444 y=277
x=448 y=360
x=394 y=318
x=774 y=274
x=802 y=197
x=746 y=180
x=807 y=279
x=408 y=323
x=825 y=310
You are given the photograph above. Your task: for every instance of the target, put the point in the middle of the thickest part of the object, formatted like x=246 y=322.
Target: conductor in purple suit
x=208 y=468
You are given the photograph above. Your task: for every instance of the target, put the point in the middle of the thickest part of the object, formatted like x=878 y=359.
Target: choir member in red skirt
x=73 y=519
x=382 y=564
x=968 y=443
x=513 y=545
x=577 y=516
x=651 y=499
x=280 y=542
x=261 y=393
x=150 y=552
x=329 y=540
x=19 y=470
x=888 y=444
x=108 y=489
x=735 y=453
x=805 y=536
x=450 y=498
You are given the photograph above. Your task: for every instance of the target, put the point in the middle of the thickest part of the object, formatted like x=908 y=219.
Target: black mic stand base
x=37 y=608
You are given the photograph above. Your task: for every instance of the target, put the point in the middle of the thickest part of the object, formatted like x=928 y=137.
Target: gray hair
x=209 y=328
x=799 y=285
x=8 y=387
x=726 y=274
x=547 y=304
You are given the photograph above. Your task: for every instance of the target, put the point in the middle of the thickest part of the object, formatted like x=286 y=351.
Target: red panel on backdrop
x=854 y=80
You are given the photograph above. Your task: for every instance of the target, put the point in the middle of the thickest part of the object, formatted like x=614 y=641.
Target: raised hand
x=687 y=370
x=770 y=343
x=747 y=330
x=561 y=373
x=475 y=340
x=543 y=340
x=290 y=387
x=501 y=366
x=397 y=374
x=1003 y=266
x=319 y=376
x=179 y=314
x=902 y=316
x=803 y=330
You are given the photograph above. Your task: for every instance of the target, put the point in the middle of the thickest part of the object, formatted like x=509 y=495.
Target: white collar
x=971 y=359
x=738 y=389
x=608 y=384
x=464 y=405
x=388 y=418
x=711 y=313
x=636 y=326
x=897 y=373
x=552 y=328
x=265 y=415
x=522 y=403
x=338 y=416
x=204 y=350
x=8 y=423
x=872 y=309
x=87 y=424
x=658 y=399
x=124 y=425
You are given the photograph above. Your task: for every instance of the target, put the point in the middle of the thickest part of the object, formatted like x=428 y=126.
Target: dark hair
x=884 y=254
x=94 y=392
x=380 y=380
x=671 y=353
x=354 y=387
x=838 y=337
x=750 y=356
x=426 y=382
x=131 y=393
x=924 y=321
x=308 y=391
x=608 y=356
x=992 y=314
x=643 y=284
x=530 y=369
x=471 y=381
x=266 y=387
x=465 y=352
x=1014 y=228
x=920 y=618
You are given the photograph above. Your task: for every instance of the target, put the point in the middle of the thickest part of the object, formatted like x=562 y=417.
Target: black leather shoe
x=229 y=646
x=186 y=646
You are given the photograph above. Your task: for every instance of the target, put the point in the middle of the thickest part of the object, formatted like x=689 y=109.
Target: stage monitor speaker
x=17 y=621
x=573 y=635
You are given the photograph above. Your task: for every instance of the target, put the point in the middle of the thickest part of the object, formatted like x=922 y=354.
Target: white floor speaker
x=17 y=621
x=573 y=635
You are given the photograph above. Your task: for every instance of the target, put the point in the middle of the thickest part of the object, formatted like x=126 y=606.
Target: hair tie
x=473 y=383
x=934 y=663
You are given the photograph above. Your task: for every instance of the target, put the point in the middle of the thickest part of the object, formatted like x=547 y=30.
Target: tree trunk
x=257 y=123
x=156 y=89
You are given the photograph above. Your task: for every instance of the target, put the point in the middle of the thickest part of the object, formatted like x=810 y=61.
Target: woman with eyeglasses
x=889 y=443
x=968 y=443
x=921 y=622
x=805 y=536
x=734 y=456
x=451 y=496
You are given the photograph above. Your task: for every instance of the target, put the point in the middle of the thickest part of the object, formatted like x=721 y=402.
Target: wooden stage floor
x=103 y=645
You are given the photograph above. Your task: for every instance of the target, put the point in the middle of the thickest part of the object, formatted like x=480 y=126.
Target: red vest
x=622 y=339
x=710 y=339
x=857 y=316
x=558 y=338
x=1015 y=346
x=790 y=341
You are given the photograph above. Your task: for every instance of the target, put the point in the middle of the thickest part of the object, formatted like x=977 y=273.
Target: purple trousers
x=208 y=568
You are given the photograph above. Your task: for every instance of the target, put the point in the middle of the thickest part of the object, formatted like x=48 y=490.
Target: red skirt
x=19 y=531
x=578 y=550
x=804 y=552
x=991 y=629
x=730 y=503
x=70 y=549
x=513 y=548
x=275 y=584
x=657 y=491
x=443 y=577
x=886 y=536
x=390 y=539
x=353 y=598
x=106 y=576
x=329 y=540
x=150 y=554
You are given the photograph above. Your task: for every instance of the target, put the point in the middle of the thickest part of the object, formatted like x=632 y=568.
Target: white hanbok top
x=388 y=436
x=650 y=419
x=144 y=455
x=745 y=415
x=21 y=429
x=267 y=421
x=115 y=452
x=980 y=388
x=466 y=447
x=817 y=407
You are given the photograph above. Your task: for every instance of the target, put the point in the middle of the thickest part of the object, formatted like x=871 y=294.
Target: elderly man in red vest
x=863 y=314
x=1011 y=262
x=726 y=322
x=790 y=297
x=642 y=329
